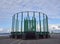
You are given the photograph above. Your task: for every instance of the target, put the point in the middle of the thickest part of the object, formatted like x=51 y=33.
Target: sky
x=10 y=7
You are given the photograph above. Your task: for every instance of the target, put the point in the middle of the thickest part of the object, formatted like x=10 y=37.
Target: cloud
x=10 y=7
x=50 y=7
x=1 y=29
x=5 y=30
x=54 y=27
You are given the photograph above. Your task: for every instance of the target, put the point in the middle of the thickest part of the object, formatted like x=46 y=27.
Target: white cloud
x=5 y=30
x=10 y=7
x=8 y=30
x=1 y=29
x=54 y=27
x=47 y=6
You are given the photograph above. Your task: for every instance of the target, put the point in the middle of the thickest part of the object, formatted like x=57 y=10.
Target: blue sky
x=10 y=7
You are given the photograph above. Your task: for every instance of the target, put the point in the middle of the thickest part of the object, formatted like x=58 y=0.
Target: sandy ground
x=55 y=39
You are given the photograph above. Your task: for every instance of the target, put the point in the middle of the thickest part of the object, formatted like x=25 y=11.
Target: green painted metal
x=28 y=22
x=34 y=22
x=21 y=21
x=40 y=22
x=43 y=23
x=13 y=22
x=25 y=25
x=47 y=23
x=29 y=25
x=17 y=24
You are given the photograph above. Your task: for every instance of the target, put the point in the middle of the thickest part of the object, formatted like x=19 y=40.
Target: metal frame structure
x=29 y=25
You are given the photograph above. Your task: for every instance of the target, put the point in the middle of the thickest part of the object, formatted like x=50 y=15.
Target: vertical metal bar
x=28 y=14
x=44 y=23
x=34 y=22
x=28 y=21
x=40 y=22
x=21 y=20
x=47 y=22
x=17 y=23
x=13 y=22
x=34 y=14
